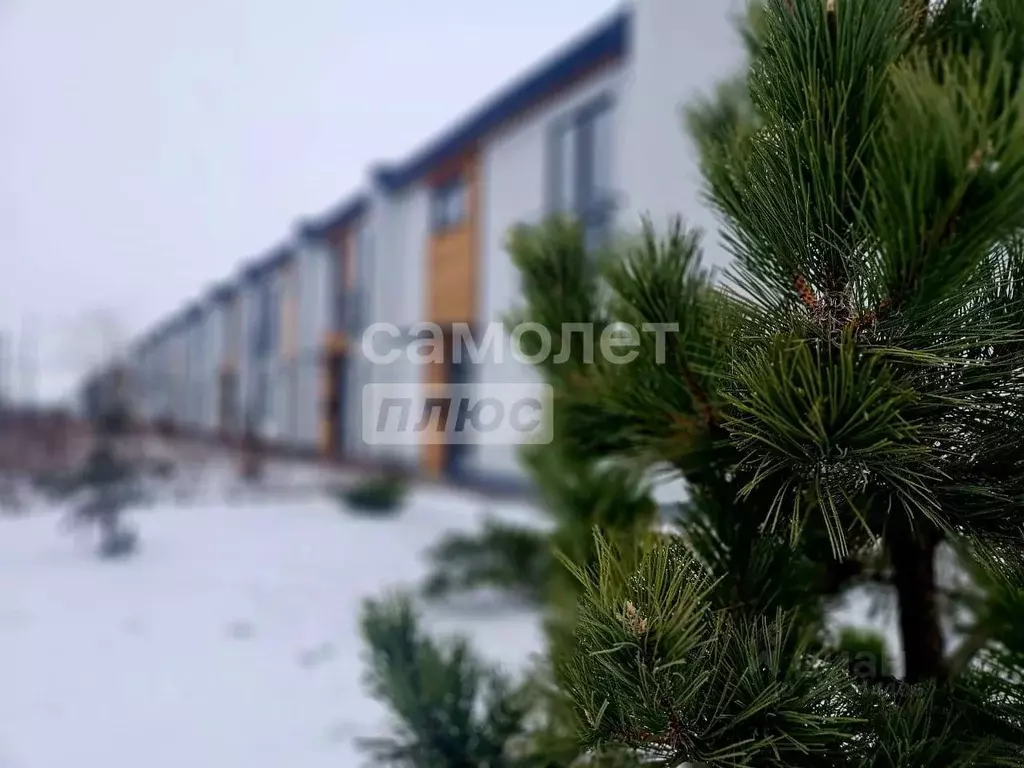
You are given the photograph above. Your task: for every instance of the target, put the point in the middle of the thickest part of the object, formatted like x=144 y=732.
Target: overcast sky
x=149 y=147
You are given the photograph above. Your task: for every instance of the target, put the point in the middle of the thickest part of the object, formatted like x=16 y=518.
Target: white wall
x=246 y=371
x=157 y=366
x=194 y=370
x=186 y=342
x=213 y=358
x=399 y=229
x=162 y=377
x=280 y=391
x=359 y=371
x=176 y=374
x=678 y=50
x=356 y=376
x=307 y=414
x=515 y=179
x=281 y=426
x=141 y=378
x=312 y=288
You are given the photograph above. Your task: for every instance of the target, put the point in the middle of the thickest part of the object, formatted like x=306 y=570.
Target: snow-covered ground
x=230 y=641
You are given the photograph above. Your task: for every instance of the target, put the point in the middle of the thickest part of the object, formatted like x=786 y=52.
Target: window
x=580 y=167
x=362 y=293
x=564 y=168
x=325 y=279
x=228 y=331
x=598 y=130
x=262 y=321
x=448 y=206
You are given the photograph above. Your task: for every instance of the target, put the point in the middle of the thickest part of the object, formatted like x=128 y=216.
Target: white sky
x=148 y=147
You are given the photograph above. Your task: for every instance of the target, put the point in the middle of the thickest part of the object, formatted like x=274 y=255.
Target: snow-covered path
x=230 y=641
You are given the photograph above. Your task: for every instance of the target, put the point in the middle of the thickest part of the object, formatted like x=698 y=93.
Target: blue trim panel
x=606 y=42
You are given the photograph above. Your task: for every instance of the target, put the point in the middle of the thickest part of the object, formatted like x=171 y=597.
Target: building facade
x=417 y=258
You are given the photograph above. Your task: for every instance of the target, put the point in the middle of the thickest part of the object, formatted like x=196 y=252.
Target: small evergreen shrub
x=511 y=558
x=55 y=485
x=454 y=709
x=163 y=469
x=115 y=420
x=378 y=495
x=120 y=544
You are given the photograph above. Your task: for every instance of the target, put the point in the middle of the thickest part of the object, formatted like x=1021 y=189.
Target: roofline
x=343 y=214
x=193 y=310
x=605 y=42
x=223 y=292
x=263 y=265
x=279 y=257
x=253 y=270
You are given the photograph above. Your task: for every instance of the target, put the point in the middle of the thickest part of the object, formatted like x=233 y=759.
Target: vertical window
x=322 y=310
x=333 y=261
x=269 y=311
x=449 y=205
x=563 y=168
x=363 y=278
x=601 y=149
x=227 y=331
x=580 y=166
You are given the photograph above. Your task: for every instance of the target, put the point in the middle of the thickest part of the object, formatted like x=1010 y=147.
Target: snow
x=230 y=641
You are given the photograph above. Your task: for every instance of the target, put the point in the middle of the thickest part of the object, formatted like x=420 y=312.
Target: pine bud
x=975 y=162
x=804 y=290
x=632 y=620
x=980 y=156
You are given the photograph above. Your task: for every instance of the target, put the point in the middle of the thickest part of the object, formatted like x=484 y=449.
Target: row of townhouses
x=288 y=346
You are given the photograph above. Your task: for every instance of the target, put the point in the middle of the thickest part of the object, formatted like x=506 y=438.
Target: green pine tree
x=844 y=404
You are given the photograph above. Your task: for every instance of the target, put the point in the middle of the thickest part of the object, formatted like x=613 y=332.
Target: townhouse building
x=290 y=345
x=329 y=320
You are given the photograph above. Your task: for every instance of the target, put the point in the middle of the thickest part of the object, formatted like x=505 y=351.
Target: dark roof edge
x=343 y=214
x=605 y=41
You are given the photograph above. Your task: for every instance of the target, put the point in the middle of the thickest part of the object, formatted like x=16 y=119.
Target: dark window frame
x=592 y=206
x=449 y=204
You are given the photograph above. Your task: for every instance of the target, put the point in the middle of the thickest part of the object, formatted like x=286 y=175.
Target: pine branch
x=510 y=558
x=854 y=388
x=451 y=709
